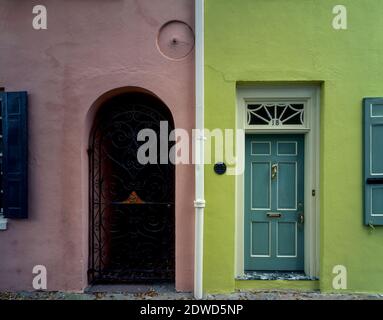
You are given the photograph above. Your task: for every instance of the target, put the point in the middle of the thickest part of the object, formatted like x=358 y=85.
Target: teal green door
x=274 y=195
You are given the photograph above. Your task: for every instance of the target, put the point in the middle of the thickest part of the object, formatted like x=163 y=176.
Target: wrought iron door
x=132 y=227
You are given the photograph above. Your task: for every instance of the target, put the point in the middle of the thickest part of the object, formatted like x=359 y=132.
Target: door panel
x=260 y=185
x=287 y=186
x=274 y=194
x=287 y=239
x=260 y=236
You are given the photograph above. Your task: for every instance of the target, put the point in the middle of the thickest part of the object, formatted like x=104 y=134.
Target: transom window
x=276 y=114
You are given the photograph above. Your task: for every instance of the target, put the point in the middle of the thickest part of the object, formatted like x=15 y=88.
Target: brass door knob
x=274 y=171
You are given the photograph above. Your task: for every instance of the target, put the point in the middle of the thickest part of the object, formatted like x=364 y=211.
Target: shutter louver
x=14 y=161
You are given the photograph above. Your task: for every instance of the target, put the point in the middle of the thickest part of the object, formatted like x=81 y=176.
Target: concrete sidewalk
x=166 y=293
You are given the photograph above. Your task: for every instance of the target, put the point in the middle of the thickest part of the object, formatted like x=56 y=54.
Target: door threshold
x=276 y=275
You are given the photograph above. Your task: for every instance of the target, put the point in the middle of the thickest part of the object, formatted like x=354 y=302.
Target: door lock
x=301 y=215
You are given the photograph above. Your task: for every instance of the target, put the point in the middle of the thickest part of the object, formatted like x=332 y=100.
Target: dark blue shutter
x=15 y=146
x=373 y=161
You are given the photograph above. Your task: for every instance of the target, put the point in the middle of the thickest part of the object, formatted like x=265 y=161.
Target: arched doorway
x=132 y=218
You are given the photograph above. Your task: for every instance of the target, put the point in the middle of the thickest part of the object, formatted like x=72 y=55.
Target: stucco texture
x=90 y=51
x=289 y=41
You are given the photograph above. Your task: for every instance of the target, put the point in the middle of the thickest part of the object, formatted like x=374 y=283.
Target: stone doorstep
x=289 y=276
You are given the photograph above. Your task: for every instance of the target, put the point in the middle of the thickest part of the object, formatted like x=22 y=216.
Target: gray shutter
x=14 y=161
x=373 y=161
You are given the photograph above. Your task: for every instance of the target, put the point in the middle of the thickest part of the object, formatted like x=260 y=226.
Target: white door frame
x=310 y=95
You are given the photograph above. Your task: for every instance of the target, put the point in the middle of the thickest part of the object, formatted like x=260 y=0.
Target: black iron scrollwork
x=130 y=241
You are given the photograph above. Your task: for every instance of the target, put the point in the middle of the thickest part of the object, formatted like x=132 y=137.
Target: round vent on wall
x=175 y=40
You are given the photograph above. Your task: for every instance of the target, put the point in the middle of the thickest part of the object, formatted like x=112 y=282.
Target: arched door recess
x=132 y=219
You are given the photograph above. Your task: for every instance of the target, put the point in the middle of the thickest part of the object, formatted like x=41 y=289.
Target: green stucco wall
x=288 y=41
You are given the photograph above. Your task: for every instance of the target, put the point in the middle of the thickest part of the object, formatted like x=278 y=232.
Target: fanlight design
x=275 y=114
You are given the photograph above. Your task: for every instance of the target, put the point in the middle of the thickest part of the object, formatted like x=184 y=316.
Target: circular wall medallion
x=175 y=40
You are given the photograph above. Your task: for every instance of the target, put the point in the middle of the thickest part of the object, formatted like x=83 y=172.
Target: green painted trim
x=308 y=285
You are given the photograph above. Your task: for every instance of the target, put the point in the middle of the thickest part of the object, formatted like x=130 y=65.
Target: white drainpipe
x=199 y=203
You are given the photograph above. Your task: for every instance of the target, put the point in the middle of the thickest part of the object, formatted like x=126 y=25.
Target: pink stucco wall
x=89 y=49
